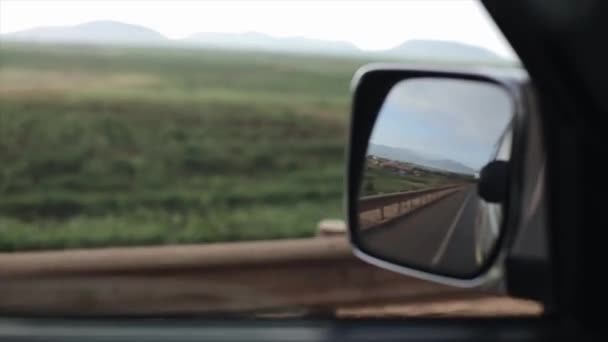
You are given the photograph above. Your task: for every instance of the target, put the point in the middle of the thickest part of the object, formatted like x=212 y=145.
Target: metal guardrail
x=314 y=273
x=377 y=210
x=378 y=201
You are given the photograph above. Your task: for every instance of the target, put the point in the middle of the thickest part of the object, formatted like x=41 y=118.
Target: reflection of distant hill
x=410 y=156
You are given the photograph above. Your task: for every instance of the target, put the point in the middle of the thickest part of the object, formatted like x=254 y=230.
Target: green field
x=109 y=146
x=377 y=180
x=380 y=180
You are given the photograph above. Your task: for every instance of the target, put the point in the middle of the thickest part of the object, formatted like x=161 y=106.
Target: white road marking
x=448 y=236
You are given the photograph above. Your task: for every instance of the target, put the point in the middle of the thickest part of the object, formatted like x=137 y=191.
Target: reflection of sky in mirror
x=444 y=119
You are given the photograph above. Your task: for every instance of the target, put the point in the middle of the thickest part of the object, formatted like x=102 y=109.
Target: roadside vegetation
x=385 y=180
x=111 y=146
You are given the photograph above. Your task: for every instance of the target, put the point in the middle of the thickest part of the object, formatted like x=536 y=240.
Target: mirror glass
x=419 y=203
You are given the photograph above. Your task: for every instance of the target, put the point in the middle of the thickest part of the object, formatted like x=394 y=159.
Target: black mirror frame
x=370 y=86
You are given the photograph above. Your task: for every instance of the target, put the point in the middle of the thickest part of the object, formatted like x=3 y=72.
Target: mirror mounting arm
x=493 y=182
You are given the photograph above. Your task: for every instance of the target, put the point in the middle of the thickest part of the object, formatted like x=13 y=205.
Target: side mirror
x=432 y=170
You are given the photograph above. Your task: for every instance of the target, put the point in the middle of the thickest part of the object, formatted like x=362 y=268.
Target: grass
x=117 y=146
x=109 y=146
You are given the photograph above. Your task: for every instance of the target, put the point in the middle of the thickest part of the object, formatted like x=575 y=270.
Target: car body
x=489 y=216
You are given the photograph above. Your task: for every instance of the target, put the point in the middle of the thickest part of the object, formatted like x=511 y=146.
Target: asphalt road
x=438 y=237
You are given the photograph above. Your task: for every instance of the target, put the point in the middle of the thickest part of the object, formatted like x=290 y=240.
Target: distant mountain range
x=101 y=32
x=425 y=49
x=410 y=156
x=260 y=41
x=113 y=32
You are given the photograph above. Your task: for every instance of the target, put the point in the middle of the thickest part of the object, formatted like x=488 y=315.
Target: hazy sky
x=368 y=24
x=444 y=119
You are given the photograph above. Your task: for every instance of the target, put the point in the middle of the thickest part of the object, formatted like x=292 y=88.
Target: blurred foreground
x=108 y=146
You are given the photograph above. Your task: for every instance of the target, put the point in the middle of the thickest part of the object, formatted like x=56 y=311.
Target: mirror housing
x=501 y=181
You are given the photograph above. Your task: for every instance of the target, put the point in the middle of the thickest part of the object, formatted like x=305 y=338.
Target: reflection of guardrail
x=379 y=209
x=227 y=277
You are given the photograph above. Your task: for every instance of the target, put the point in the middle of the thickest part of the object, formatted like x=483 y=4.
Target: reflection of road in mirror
x=438 y=235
